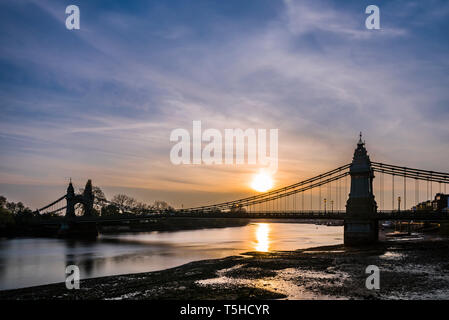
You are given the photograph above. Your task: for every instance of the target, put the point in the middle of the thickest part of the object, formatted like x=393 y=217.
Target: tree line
x=12 y=213
x=16 y=213
x=123 y=204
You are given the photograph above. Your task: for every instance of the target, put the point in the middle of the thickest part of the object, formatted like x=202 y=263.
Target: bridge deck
x=304 y=215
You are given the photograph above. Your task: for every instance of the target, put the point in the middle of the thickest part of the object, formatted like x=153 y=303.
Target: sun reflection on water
x=262 y=236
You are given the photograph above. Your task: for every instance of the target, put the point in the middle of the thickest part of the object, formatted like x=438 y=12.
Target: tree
x=2 y=201
x=142 y=208
x=160 y=205
x=120 y=199
x=11 y=207
x=6 y=218
x=130 y=205
x=13 y=213
x=110 y=210
x=20 y=207
x=79 y=209
x=124 y=202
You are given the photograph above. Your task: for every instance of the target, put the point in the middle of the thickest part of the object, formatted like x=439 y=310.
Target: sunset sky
x=100 y=102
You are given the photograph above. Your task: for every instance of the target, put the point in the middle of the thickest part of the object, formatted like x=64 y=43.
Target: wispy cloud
x=101 y=102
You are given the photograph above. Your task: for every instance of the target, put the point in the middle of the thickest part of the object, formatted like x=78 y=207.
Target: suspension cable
x=278 y=193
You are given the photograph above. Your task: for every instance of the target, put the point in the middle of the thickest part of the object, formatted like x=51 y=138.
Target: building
x=441 y=202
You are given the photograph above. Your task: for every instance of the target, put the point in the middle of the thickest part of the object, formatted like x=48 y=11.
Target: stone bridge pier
x=360 y=224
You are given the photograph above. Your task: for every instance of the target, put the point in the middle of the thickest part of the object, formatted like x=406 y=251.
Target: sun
x=262 y=182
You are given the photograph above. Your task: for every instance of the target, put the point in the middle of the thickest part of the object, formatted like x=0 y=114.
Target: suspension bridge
x=347 y=192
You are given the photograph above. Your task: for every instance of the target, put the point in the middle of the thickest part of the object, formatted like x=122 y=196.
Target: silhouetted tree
x=13 y=213
x=130 y=205
x=6 y=216
x=6 y=220
x=124 y=202
x=160 y=205
x=2 y=201
x=142 y=208
x=120 y=200
x=110 y=210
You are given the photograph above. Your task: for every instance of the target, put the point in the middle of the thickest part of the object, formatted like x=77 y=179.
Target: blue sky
x=100 y=102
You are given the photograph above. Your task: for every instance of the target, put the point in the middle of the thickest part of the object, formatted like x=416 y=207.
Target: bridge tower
x=86 y=199
x=70 y=227
x=361 y=225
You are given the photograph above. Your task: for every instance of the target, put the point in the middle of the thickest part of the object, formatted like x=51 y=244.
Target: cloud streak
x=101 y=103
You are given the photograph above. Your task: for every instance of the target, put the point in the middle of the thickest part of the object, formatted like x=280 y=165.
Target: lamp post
x=325 y=205
x=332 y=206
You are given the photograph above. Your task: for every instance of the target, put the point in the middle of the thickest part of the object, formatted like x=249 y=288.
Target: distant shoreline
x=174 y=224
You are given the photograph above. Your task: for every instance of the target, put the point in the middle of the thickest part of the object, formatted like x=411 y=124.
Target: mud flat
x=409 y=269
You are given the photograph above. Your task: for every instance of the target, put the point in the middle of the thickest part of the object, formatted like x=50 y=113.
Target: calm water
x=30 y=261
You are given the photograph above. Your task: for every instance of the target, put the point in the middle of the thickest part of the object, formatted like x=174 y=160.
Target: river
x=26 y=262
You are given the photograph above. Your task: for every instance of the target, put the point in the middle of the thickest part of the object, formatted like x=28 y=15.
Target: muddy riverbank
x=409 y=269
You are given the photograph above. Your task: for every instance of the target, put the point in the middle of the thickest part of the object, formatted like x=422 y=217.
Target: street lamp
x=325 y=205
x=332 y=206
x=399 y=204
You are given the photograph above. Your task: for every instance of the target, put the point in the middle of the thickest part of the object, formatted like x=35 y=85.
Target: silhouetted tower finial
x=70 y=198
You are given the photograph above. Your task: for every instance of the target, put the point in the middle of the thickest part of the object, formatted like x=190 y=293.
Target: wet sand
x=409 y=269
